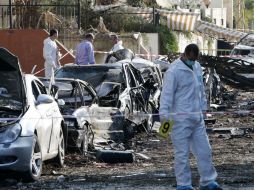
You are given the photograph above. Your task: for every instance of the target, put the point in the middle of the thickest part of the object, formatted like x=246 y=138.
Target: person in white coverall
x=118 y=44
x=51 y=53
x=183 y=92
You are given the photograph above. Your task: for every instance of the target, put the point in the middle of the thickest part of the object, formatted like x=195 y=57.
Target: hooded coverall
x=50 y=55
x=183 y=92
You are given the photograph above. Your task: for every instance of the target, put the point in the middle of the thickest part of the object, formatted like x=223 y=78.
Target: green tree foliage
x=249 y=17
x=249 y=4
x=168 y=40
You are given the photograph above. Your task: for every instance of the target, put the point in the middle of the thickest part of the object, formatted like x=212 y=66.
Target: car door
x=139 y=95
x=87 y=94
x=134 y=91
x=44 y=126
x=125 y=96
x=87 y=100
x=55 y=118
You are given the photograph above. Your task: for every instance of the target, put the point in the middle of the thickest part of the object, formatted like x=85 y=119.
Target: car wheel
x=35 y=166
x=61 y=149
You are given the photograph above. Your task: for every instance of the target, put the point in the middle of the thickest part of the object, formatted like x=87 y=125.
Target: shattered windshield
x=93 y=75
x=10 y=93
x=69 y=92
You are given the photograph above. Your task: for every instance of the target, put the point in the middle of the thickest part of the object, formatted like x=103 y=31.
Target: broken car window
x=87 y=95
x=69 y=92
x=10 y=96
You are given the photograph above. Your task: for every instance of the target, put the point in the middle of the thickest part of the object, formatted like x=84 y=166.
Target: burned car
x=72 y=95
x=31 y=126
x=118 y=85
x=119 y=55
x=88 y=124
x=152 y=82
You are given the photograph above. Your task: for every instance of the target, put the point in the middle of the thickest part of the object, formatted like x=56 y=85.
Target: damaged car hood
x=12 y=91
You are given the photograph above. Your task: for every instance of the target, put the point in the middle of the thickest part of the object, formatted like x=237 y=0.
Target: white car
x=31 y=126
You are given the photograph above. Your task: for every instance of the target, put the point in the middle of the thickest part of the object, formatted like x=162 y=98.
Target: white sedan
x=31 y=126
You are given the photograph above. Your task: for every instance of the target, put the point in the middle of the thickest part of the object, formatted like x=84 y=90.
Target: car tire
x=35 y=165
x=61 y=149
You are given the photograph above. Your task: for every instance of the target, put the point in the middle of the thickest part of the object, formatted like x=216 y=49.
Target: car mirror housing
x=61 y=102
x=44 y=99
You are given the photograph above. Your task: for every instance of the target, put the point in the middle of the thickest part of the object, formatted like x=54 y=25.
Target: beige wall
x=4 y=2
x=151 y=42
x=217 y=14
x=104 y=43
x=201 y=41
x=228 y=4
x=4 y=19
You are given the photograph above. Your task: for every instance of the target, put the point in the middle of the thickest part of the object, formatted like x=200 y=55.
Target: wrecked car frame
x=123 y=74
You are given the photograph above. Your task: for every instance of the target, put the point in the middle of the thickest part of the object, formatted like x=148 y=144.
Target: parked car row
x=84 y=108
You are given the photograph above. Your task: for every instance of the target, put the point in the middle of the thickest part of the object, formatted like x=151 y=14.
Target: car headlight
x=10 y=134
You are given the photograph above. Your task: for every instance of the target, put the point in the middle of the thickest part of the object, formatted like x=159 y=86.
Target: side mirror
x=61 y=102
x=44 y=99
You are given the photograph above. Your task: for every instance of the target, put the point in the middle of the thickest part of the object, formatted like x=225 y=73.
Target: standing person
x=85 y=51
x=118 y=44
x=51 y=53
x=183 y=91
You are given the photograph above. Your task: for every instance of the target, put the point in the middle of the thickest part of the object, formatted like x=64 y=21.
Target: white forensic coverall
x=117 y=46
x=50 y=54
x=182 y=92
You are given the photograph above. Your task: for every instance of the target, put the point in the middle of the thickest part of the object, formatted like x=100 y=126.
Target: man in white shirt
x=118 y=44
x=51 y=53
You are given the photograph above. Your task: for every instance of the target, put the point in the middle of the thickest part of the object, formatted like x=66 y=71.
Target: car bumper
x=16 y=156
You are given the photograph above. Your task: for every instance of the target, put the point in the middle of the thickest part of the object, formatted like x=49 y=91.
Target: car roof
x=109 y=65
x=65 y=80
